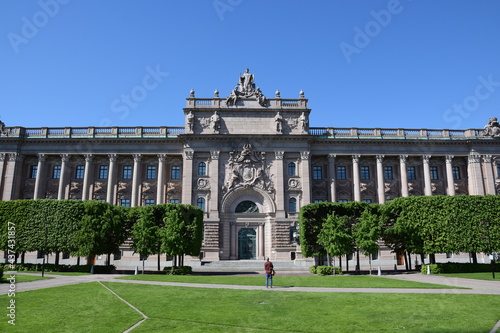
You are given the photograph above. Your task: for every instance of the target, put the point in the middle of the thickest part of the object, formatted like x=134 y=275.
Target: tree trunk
x=158 y=263
x=422 y=259
x=56 y=260
x=78 y=261
x=108 y=259
x=22 y=257
x=340 y=263
x=406 y=260
x=409 y=259
x=473 y=255
x=357 y=261
x=347 y=263
x=432 y=258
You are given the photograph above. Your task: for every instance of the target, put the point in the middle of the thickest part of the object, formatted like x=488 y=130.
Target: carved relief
x=247 y=168
x=203 y=184
x=294 y=184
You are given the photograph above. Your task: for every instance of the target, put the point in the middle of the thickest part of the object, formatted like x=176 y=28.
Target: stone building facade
x=250 y=162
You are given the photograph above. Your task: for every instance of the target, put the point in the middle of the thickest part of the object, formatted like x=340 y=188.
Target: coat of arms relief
x=247 y=168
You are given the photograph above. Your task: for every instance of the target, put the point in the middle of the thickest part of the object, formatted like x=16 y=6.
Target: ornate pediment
x=247 y=168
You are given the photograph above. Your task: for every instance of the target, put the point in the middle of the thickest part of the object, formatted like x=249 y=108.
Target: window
x=127 y=172
x=317 y=172
x=56 y=172
x=411 y=173
x=292 y=205
x=33 y=171
x=149 y=202
x=341 y=172
x=434 y=173
x=151 y=172
x=374 y=256
x=117 y=255
x=176 y=172
x=498 y=170
x=247 y=206
x=125 y=202
x=65 y=255
x=103 y=172
x=367 y=200
x=342 y=200
x=80 y=171
x=174 y=201
x=388 y=173
x=201 y=203
x=456 y=172
x=202 y=169
x=291 y=169
x=318 y=200
x=365 y=172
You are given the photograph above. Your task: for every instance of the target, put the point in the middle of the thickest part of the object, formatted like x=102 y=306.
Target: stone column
x=110 y=195
x=213 y=172
x=261 y=241
x=306 y=178
x=476 y=186
x=355 y=178
x=9 y=188
x=331 y=177
x=489 y=177
x=40 y=178
x=187 y=177
x=427 y=175
x=61 y=193
x=135 y=180
x=160 y=187
x=280 y=186
x=233 y=253
x=404 y=175
x=380 y=179
x=86 y=177
x=449 y=175
x=2 y=170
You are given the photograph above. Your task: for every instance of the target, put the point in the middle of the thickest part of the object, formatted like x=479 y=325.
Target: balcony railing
x=392 y=133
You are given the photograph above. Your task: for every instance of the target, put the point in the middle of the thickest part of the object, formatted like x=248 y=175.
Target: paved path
x=476 y=286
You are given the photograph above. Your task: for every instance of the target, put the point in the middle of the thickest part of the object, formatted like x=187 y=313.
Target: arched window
x=291 y=169
x=292 y=205
x=247 y=207
x=202 y=169
x=201 y=203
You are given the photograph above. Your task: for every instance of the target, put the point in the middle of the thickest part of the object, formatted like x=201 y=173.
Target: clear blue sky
x=372 y=63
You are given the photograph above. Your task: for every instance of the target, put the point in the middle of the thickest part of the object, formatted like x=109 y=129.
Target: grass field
x=341 y=281
x=477 y=276
x=90 y=307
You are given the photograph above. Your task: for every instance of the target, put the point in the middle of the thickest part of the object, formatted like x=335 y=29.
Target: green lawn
x=23 y=278
x=342 y=281
x=478 y=276
x=90 y=307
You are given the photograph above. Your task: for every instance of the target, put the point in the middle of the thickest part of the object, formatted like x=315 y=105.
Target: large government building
x=249 y=162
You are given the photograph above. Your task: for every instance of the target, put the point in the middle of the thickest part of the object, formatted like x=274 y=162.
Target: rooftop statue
x=492 y=128
x=246 y=89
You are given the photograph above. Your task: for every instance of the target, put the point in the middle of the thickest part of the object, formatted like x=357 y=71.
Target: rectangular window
x=125 y=202
x=80 y=171
x=149 y=202
x=33 y=171
x=117 y=255
x=411 y=173
x=434 y=172
x=127 y=172
x=151 y=172
x=456 y=172
x=342 y=200
x=365 y=172
x=388 y=173
x=367 y=200
x=341 y=172
x=498 y=170
x=317 y=172
x=103 y=172
x=56 y=172
x=174 y=201
x=176 y=172
x=202 y=169
x=318 y=200
x=291 y=169
x=65 y=256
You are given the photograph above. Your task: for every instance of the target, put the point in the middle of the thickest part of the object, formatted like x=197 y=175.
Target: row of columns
x=474 y=171
x=10 y=169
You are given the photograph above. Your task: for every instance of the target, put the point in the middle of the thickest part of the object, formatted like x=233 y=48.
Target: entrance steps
x=249 y=265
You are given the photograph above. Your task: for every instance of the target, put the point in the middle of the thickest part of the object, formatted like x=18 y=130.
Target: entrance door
x=246 y=244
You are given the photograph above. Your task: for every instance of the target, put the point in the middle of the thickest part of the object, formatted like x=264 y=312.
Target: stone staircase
x=249 y=265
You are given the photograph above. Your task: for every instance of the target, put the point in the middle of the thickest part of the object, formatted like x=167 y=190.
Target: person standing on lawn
x=268 y=266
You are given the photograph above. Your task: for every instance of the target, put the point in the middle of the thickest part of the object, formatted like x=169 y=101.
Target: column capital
x=426 y=159
x=279 y=155
x=64 y=158
x=137 y=157
x=2 y=157
x=403 y=158
x=88 y=157
x=214 y=154
x=449 y=158
x=473 y=158
x=304 y=155
x=161 y=157
x=112 y=157
x=380 y=158
x=331 y=157
x=188 y=154
x=486 y=158
x=41 y=157
x=355 y=158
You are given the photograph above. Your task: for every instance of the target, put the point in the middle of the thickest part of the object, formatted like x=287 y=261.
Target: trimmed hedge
x=455 y=267
x=62 y=268
x=178 y=270
x=325 y=270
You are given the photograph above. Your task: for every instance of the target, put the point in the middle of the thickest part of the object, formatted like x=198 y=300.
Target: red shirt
x=268 y=266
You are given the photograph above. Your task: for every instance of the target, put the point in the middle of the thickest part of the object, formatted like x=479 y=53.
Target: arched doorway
x=247 y=245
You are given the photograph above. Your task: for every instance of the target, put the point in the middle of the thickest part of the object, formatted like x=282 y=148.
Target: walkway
x=476 y=286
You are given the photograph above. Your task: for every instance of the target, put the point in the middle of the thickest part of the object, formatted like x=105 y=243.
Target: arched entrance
x=247 y=244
